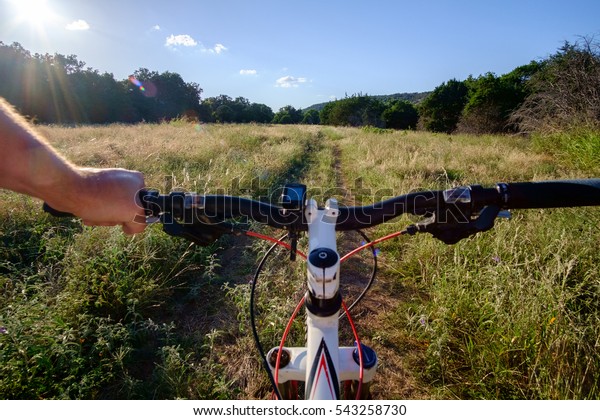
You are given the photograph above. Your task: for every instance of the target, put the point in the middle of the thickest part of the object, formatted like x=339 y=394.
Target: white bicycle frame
x=322 y=365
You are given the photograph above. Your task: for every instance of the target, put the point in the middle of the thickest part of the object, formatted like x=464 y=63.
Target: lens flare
x=136 y=82
x=148 y=89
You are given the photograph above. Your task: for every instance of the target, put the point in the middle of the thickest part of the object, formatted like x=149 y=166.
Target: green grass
x=511 y=313
x=577 y=148
x=514 y=314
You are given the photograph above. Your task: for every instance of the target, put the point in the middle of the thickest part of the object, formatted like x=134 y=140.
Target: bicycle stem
x=323 y=264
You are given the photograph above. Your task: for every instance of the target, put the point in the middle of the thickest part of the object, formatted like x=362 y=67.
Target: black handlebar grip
x=55 y=212
x=151 y=202
x=547 y=194
x=146 y=198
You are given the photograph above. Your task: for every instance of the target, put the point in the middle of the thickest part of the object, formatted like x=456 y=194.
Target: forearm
x=31 y=166
x=28 y=164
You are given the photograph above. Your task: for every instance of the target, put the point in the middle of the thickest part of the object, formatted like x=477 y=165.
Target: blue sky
x=300 y=52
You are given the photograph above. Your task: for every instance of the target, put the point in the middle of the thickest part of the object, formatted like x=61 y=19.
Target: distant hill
x=414 y=97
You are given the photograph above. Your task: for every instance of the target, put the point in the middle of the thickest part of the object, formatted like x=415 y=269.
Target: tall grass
x=511 y=313
x=576 y=148
x=90 y=313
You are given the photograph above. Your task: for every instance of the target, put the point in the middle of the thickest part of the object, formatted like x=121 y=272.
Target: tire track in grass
x=394 y=379
x=232 y=352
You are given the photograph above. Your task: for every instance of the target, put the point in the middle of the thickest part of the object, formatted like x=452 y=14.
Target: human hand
x=104 y=197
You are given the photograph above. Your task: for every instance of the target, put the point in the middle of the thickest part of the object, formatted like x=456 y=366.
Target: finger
x=139 y=219
x=93 y=223
x=133 y=228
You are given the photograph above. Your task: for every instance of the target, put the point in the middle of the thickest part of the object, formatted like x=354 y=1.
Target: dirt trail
x=395 y=378
x=398 y=359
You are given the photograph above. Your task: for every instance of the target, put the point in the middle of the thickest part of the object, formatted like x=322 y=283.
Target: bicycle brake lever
x=452 y=232
x=293 y=236
x=202 y=234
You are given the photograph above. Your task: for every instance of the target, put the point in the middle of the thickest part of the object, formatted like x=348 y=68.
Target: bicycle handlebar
x=459 y=202
x=547 y=194
x=452 y=214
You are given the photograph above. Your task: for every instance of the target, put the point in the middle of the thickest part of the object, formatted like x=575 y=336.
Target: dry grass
x=508 y=314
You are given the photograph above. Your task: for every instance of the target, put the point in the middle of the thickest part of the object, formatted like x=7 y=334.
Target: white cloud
x=289 y=81
x=180 y=40
x=248 y=72
x=183 y=40
x=156 y=28
x=78 y=25
x=217 y=49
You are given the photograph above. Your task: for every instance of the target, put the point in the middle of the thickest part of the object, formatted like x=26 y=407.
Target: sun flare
x=33 y=12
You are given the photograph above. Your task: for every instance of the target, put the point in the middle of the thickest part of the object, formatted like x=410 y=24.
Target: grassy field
x=512 y=313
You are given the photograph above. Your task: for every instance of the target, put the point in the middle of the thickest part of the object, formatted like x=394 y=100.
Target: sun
x=33 y=12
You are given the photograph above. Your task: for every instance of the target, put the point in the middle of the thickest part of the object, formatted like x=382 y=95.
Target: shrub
x=565 y=92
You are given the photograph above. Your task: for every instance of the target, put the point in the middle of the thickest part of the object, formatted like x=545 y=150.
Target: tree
x=325 y=115
x=239 y=110
x=311 y=117
x=163 y=96
x=400 y=115
x=100 y=98
x=259 y=113
x=441 y=111
x=493 y=99
x=224 y=114
x=57 y=88
x=288 y=115
x=355 y=111
x=15 y=64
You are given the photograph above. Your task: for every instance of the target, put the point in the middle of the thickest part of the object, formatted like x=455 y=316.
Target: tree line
x=54 y=88
x=553 y=93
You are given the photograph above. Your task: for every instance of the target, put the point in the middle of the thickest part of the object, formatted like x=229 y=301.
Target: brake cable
x=274 y=379
x=276 y=241
x=252 y=313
